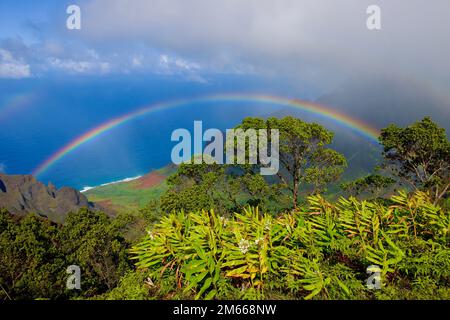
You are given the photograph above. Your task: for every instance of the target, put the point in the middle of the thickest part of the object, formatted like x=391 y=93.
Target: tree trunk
x=295 y=193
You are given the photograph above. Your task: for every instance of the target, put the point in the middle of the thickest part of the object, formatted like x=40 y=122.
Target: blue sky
x=15 y=16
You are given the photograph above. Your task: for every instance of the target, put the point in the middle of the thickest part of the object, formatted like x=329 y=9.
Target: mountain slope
x=131 y=195
x=23 y=194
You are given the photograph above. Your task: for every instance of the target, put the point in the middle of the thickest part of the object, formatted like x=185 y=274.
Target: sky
x=315 y=43
x=59 y=83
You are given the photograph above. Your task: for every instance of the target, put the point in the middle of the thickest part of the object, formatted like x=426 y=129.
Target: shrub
x=321 y=251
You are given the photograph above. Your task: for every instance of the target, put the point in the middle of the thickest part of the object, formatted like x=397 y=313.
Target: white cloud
x=196 y=78
x=71 y=65
x=105 y=67
x=10 y=67
x=164 y=60
x=137 y=61
x=190 y=71
x=2 y=167
x=90 y=59
x=173 y=65
x=74 y=66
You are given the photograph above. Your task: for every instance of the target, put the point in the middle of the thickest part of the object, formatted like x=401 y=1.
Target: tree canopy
x=35 y=254
x=304 y=155
x=419 y=155
x=374 y=184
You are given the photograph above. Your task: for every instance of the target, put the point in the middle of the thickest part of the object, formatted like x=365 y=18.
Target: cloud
x=50 y=55
x=11 y=67
x=137 y=61
x=83 y=57
x=317 y=40
x=2 y=167
x=73 y=66
x=172 y=65
x=188 y=70
x=303 y=43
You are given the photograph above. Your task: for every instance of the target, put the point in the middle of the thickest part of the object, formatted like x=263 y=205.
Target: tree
x=419 y=155
x=192 y=187
x=93 y=241
x=304 y=157
x=35 y=254
x=374 y=184
x=30 y=264
x=224 y=188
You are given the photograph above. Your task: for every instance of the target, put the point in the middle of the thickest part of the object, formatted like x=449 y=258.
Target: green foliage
x=224 y=188
x=34 y=255
x=419 y=155
x=319 y=252
x=93 y=241
x=132 y=286
x=224 y=232
x=373 y=186
x=304 y=157
x=29 y=262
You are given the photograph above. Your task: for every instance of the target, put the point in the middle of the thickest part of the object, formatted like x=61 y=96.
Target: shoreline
x=87 y=188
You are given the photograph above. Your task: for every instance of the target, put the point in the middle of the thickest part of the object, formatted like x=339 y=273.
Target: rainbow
x=15 y=103
x=314 y=108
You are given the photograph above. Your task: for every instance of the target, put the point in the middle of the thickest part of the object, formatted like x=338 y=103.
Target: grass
x=131 y=195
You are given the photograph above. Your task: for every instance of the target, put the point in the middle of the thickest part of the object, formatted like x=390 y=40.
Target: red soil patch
x=148 y=181
x=108 y=205
x=105 y=203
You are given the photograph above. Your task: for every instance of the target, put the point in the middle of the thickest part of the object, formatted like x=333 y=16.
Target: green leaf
x=205 y=287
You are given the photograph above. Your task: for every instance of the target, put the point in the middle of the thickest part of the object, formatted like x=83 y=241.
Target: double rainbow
x=354 y=124
x=15 y=103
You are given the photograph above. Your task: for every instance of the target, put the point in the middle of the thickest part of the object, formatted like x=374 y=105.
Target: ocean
x=38 y=117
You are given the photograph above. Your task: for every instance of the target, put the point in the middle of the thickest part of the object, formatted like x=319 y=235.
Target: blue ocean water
x=40 y=116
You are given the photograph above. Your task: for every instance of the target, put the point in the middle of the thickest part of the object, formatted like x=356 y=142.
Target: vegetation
x=373 y=185
x=304 y=157
x=223 y=187
x=226 y=232
x=304 y=161
x=35 y=254
x=131 y=195
x=321 y=252
x=419 y=155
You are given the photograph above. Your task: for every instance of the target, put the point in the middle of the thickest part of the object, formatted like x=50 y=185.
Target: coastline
x=87 y=188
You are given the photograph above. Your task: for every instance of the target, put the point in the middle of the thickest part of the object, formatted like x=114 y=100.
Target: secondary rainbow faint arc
x=17 y=102
x=315 y=108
